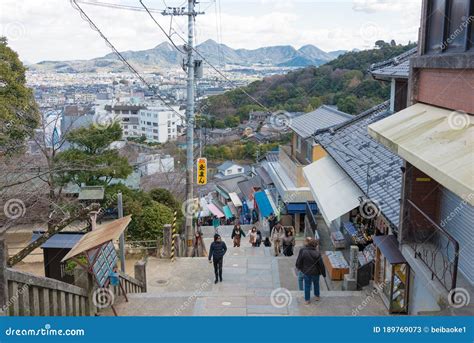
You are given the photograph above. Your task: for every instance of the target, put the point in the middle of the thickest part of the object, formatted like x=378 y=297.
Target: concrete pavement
x=255 y=283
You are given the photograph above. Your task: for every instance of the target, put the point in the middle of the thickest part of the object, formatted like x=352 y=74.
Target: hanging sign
x=201 y=171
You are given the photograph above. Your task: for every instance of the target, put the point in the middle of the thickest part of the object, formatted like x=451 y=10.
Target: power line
x=85 y=17
x=116 y=6
x=161 y=28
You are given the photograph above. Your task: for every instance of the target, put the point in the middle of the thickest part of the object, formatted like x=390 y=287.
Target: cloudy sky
x=53 y=30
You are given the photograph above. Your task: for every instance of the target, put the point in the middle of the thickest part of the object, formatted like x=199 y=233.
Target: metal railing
x=311 y=219
x=438 y=250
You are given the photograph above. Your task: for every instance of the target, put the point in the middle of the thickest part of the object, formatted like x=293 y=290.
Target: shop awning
x=388 y=246
x=223 y=193
x=263 y=204
x=296 y=208
x=333 y=190
x=228 y=212
x=235 y=199
x=215 y=211
x=437 y=141
x=204 y=211
x=233 y=209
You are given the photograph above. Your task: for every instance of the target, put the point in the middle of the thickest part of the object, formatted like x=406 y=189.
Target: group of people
x=255 y=236
x=309 y=263
x=283 y=239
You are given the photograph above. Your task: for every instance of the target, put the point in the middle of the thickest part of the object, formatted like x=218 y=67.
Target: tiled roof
x=375 y=169
x=247 y=187
x=325 y=116
x=398 y=66
x=230 y=184
x=264 y=175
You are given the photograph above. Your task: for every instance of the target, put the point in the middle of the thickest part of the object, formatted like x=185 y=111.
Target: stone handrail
x=30 y=295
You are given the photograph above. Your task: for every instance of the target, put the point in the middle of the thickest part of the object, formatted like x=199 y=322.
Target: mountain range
x=165 y=55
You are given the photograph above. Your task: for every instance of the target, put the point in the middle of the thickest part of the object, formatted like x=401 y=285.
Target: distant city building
x=158 y=124
x=128 y=117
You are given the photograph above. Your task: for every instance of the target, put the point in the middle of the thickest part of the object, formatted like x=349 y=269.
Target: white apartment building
x=158 y=124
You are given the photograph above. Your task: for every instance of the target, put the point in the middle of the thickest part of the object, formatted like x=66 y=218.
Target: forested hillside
x=344 y=82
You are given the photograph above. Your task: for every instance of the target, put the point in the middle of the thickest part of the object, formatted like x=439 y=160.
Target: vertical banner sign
x=201 y=171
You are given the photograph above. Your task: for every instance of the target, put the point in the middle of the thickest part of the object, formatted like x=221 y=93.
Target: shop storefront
x=392 y=273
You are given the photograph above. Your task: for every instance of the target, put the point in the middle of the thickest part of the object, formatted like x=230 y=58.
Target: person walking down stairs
x=216 y=253
x=310 y=263
x=237 y=234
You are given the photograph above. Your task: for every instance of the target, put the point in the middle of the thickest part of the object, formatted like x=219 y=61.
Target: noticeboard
x=105 y=259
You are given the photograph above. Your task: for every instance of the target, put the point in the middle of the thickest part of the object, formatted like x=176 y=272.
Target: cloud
x=53 y=30
x=372 y=6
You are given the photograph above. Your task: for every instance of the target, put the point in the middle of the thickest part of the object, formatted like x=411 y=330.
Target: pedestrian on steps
x=253 y=236
x=237 y=234
x=288 y=242
x=276 y=236
x=259 y=238
x=216 y=253
x=216 y=222
x=310 y=263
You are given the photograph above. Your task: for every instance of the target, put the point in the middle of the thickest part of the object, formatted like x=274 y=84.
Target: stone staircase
x=256 y=283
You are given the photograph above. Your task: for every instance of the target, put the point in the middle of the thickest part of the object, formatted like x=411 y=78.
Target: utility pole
x=191 y=13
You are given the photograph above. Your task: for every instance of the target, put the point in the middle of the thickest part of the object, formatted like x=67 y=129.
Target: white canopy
x=235 y=199
x=333 y=190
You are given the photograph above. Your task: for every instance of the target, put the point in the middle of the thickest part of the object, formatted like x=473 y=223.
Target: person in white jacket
x=277 y=235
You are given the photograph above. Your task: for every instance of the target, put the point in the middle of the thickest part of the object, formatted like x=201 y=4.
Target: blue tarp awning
x=263 y=204
x=228 y=212
x=300 y=207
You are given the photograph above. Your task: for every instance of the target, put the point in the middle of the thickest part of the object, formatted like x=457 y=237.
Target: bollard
x=173 y=236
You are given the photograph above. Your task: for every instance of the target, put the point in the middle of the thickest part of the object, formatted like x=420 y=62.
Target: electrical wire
x=161 y=28
x=85 y=17
x=116 y=6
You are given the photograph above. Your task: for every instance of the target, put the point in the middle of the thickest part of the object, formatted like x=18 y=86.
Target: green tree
x=148 y=225
x=90 y=157
x=348 y=104
x=19 y=115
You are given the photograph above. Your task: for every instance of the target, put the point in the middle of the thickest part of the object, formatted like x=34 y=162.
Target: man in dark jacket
x=217 y=252
x=310 y=263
